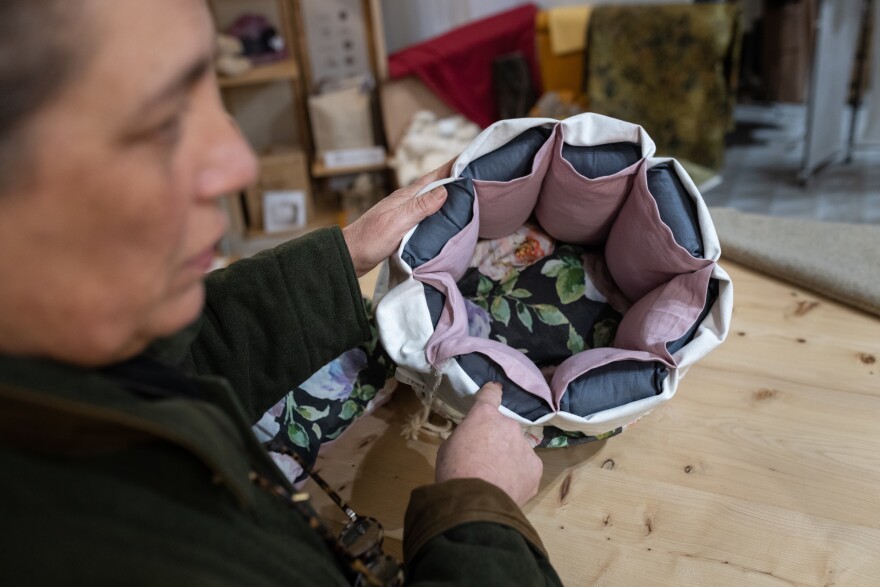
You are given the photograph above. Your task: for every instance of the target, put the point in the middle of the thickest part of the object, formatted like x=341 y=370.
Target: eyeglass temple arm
x=278 y=446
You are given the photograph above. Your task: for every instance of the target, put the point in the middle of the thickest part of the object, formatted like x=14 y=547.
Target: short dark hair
x=38 y=56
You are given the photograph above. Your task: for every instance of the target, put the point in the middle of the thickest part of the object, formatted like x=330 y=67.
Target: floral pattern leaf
x=317 y=430
x=520 y=293
x=501 y=310
x=570 y=284
x=501 y=339
x=552 y=268
x=549 y=315
x=509 y=281
x=525 y=317
x=604 y=333
x=312 y=414
x=364 y=392
x=291 y=401
x=575 y=341
x=485 y=286
x=298 y=434
x=571 y=261
x=350 y=409
x=370 y=346
x=335 y=434
x=558 y=442
x=482 y=303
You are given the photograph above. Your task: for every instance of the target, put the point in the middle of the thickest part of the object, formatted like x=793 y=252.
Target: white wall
x=408 y=22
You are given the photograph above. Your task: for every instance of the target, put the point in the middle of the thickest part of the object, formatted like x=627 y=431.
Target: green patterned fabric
x=669 y=69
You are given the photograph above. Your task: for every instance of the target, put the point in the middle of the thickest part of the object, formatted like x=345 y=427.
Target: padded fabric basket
x=570 y=265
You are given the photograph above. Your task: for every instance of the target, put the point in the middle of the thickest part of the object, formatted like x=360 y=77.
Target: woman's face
x=105 y=248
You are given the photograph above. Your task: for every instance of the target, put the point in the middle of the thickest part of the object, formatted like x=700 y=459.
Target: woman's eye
x=169 y=131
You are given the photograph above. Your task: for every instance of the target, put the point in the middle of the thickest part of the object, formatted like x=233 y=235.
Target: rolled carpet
x=841 y=261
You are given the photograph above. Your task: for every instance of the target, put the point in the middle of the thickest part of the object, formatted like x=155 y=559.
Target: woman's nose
x=230 y=164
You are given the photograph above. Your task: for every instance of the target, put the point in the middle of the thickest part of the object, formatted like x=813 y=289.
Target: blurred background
x=769 y=104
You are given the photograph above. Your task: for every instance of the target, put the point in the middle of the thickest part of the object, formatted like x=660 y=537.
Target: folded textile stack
x=430 y=142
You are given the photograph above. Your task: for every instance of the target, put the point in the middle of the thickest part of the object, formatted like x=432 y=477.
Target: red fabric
x=457 y=66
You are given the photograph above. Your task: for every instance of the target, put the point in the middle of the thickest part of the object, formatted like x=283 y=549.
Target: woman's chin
x=178 y=312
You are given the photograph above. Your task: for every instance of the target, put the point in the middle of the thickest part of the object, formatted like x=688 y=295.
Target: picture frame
x=284 y=210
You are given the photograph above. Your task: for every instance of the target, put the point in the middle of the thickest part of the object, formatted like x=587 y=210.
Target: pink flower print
x=527 y=245
x=528 y=251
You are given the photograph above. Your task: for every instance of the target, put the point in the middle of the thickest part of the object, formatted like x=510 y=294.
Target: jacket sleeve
x=272 y=320
x=469 y=532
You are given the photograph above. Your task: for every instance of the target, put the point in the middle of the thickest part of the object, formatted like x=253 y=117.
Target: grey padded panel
x=435 y=231
x=612 y=385
x=601 y=160
x=606 y=387
x=513 y=397
x=510 y=161
x=603 y=388
x=677 y=208
x=711 y=295
x=435 y=301
x=484 y=370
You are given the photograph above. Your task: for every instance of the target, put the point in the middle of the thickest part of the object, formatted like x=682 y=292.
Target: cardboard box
x=280 y=171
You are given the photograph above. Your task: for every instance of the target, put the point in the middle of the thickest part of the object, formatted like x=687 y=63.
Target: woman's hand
x=490 y=446
x=376 y=235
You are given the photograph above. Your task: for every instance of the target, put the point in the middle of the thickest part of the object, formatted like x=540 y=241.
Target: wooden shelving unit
x=255 y=241
x=375 y=39
x=319 y=170
x=245 y=235
x=246 y=238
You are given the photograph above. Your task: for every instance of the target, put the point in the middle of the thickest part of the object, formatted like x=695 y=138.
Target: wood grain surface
x=763 y=470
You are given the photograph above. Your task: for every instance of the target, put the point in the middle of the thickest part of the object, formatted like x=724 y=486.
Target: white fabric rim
x=434 y=184
x=591 y=129
x=494 y=136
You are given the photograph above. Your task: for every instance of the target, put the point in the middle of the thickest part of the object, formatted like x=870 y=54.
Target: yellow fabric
x=559 y=73
x=568 y=28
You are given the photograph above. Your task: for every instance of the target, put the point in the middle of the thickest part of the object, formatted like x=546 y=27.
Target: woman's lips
x=203 y=260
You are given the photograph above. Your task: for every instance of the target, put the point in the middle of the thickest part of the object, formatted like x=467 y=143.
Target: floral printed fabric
x=525 y=292
x=326 y=404
x=553 y=437
x=547 y=301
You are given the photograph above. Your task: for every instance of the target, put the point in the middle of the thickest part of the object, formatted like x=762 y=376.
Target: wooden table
x=764 y=469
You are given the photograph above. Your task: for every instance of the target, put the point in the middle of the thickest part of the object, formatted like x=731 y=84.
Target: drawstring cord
x=420 y=422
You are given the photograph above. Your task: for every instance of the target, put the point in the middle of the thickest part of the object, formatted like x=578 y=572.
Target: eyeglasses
x=358 y=545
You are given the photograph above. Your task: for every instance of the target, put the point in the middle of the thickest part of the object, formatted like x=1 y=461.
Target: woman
x=129 y=381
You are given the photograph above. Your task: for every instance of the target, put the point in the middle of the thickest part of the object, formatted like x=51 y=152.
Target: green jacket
x=104 y=486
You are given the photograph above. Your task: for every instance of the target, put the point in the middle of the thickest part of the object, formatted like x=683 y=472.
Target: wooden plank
x=261 y=74
x=666 y=528
x=763 y=470
x=321 y=170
